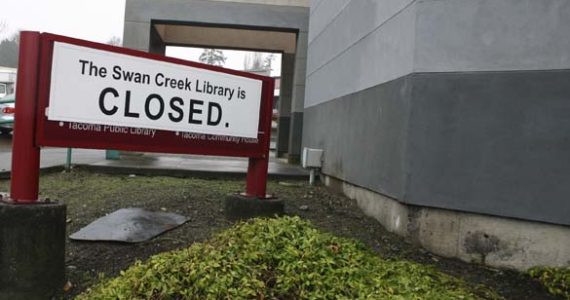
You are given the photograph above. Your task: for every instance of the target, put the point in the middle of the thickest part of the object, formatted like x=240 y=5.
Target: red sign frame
x=33 y=129
x=50 y=133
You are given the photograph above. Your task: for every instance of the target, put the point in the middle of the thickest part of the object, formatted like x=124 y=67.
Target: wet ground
x=90 y=196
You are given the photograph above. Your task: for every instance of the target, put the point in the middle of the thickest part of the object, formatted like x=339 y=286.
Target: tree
x=213 y=57
x=253 y=62
x=9 y=51
x=115 y=41
x=3 y=26
x=268 y=61
x=256 y=61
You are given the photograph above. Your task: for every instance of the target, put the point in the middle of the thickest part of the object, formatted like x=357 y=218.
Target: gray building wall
x=358 y=45
x=454 y=104
x=492 y=35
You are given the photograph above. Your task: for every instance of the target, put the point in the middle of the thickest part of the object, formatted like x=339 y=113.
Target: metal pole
x=68 y=160
x=112 y=155
x=25 y=155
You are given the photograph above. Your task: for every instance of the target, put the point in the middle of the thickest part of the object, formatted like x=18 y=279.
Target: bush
x=556 y=280
x=283 y=258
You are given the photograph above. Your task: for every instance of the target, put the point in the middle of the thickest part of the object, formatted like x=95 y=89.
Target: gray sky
x=234 y=58
x=94 y=20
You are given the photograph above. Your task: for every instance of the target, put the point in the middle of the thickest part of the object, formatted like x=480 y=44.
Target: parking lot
x=5 y=143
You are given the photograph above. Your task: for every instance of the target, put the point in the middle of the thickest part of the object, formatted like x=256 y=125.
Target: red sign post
x=25 y=153
x=176 y=106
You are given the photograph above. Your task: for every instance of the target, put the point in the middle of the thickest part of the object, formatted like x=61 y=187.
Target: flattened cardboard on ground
x=130 y=225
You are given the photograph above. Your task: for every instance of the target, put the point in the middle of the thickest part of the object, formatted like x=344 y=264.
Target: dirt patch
x=90 y=196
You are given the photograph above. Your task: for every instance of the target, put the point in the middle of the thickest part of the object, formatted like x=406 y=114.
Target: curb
x=5 y=175
x=182 y=173
x=114 y=170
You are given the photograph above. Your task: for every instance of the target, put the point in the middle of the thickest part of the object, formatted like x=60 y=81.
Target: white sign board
x=101 y=87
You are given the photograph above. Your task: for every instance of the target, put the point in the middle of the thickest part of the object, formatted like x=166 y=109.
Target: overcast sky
x=94 y=20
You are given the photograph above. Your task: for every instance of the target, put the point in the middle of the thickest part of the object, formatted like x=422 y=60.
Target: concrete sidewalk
x=156 y=164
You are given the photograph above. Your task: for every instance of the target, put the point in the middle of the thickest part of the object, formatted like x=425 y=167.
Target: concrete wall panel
x=512 y=244
x=303 y=3
x=492 y=35
x=493 y=143
x=456 y=109
x=493 y=241
x=489 y=143
x=363 y=136
x=215 y=12
x=298 y=95
x=357 y=20
x=383 y=55
x=323 y=14
x=301 y=50
x=136 y=35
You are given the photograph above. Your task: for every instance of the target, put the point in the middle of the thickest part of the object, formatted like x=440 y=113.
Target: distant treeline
x=9 y=51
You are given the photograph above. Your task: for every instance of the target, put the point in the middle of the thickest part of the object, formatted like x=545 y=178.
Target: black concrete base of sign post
x=240 y=207
x=32 y=250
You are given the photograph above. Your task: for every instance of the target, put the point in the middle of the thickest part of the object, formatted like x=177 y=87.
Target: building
x=448 y=121
x=261 y=25
x=7 y=80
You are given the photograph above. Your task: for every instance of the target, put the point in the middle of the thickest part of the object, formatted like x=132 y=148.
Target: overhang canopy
x=267 y=40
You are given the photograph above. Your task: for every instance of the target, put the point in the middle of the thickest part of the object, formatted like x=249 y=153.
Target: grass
x=282 y=258
x=555 y=280
x=91 y=195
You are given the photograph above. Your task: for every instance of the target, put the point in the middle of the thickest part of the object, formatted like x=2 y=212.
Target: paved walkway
x=159 y=164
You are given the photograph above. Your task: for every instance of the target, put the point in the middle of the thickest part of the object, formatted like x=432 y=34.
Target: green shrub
x=556 y=280
x=283 y=258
